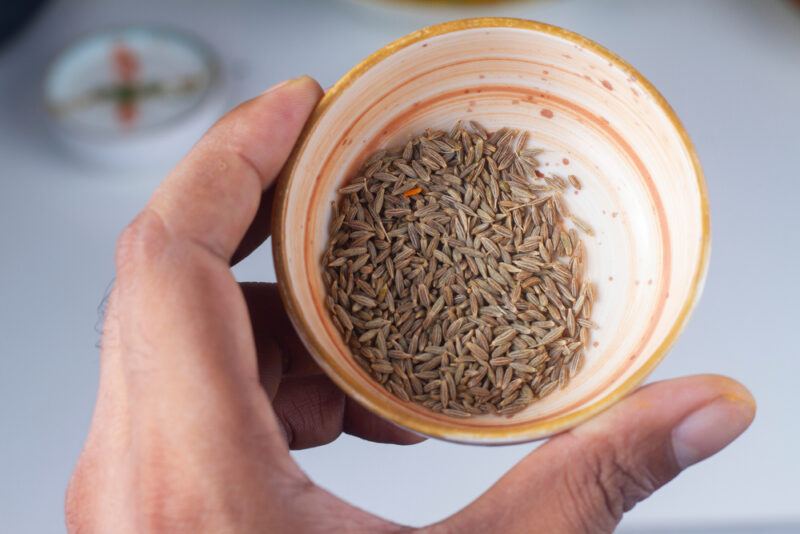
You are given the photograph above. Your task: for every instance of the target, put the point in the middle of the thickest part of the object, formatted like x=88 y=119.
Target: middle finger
x=311 y=409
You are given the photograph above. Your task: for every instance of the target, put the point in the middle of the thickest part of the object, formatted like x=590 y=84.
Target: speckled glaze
x=596 y=117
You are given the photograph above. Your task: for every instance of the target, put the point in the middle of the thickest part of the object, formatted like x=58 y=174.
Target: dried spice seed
x=453 y=277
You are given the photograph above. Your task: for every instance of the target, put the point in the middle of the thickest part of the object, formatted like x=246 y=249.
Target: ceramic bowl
x=596 y=117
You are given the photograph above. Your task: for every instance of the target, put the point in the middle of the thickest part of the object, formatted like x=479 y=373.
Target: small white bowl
x=596 y=117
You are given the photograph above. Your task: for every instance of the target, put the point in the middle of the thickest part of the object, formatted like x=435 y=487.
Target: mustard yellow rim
x=522 y=432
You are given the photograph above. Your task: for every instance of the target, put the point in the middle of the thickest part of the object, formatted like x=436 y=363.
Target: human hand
x=189 y=435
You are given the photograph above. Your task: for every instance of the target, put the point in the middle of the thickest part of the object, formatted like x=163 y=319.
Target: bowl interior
x=595 y=118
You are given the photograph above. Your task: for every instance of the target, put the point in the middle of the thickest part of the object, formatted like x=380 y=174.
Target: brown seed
x=364 y=300
x=477 y=351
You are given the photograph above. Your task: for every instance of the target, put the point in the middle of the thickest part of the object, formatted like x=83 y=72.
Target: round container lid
x=133 y=94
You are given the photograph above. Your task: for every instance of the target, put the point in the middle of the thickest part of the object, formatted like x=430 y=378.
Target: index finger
x=213 y=195
x=185 y=340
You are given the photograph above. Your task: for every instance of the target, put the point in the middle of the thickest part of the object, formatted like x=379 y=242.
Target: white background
x=730 y=69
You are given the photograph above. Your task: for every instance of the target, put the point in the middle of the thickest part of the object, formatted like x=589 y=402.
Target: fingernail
x=708 y=430
x=286 y=83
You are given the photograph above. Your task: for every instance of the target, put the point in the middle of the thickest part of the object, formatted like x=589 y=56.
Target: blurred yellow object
x=451 y=2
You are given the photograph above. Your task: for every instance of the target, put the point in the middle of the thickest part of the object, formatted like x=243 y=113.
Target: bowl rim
x=499 y=435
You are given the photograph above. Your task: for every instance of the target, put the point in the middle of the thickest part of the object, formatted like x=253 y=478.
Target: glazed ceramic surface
x=595 y=117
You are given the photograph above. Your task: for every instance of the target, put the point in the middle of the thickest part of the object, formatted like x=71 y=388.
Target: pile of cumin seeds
x=452 y=274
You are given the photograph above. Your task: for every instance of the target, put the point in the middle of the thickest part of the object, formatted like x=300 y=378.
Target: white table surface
x=730 y=69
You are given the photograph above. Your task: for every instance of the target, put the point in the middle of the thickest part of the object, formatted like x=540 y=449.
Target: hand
x=189 y=435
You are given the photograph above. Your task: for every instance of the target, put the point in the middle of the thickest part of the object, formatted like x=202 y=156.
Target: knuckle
x=141 y=241
x=603 y=484
x=310 y=415
x=629 y=484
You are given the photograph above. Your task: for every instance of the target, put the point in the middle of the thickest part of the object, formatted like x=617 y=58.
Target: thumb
x=585 y=479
